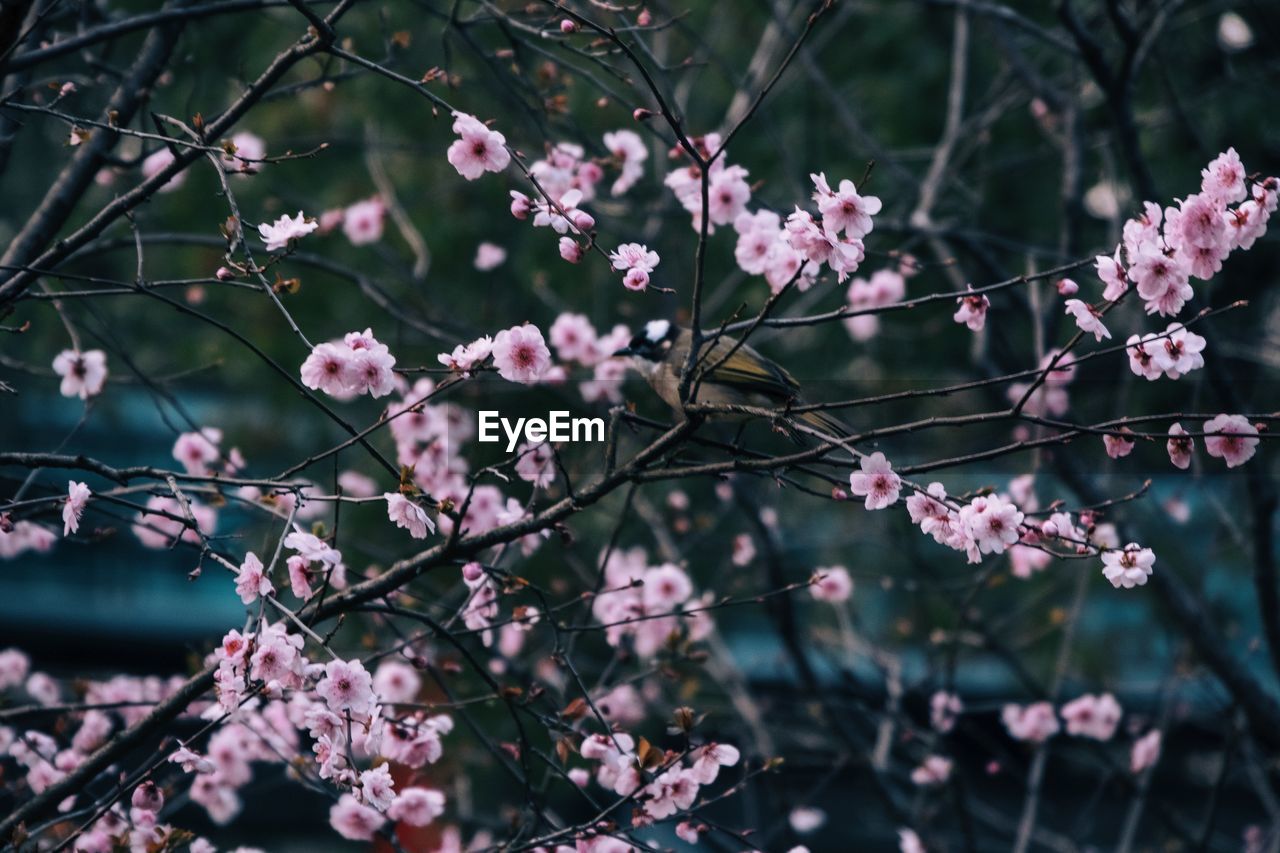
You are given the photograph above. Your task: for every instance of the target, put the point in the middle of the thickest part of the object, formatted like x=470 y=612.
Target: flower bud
x=1067 y=287
x=570 y=250
x=635 y=279
x=582 y=220
x=224 y=274
x=148 y=797
x=644 y=19
x=567 y=26
x=640 y=114
x=520 y=205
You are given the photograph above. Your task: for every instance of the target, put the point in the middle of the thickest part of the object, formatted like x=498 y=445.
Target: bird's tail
x=818 y=421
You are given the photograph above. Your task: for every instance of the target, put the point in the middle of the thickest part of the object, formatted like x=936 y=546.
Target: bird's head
x=651 y=346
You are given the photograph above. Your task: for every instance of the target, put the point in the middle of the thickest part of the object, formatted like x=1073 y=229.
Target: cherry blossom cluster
x=566 y=179
x=1164 y=249
x=576 y=341
x=884 y=287
x=646 y=605
x=727 y=189
x=362 y=222
x=662 y=784
x=269 y=692
x=520 y=354
x=358 y=364
x=795 y=250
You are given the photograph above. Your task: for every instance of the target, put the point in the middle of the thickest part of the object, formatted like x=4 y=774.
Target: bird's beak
x=624 y=351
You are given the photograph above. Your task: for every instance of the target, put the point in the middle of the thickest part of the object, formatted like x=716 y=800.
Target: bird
x=735 y=375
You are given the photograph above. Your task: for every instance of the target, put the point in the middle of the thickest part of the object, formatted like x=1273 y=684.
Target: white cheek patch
x=656 y=330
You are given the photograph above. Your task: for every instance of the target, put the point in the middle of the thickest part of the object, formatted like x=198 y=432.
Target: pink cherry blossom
x=417 y=806
x=536 y=464
x=1162 y=281
x=1113 y=276
x=708 y=760
x=14 y=665
x=844 y=209
x=147 y=797
x=973 y=310
x=277 y=235
x=665 y=587
x=1148 y=357
x=376 y=787
x=635 y=279
x=806 y=819
x=520 y=354
x=327 y=367
x=727 y=195
x=353 y=820
x=1087 y=318
x=521 y=205
x=992 y=522
x=467 y=356
x=1223 y=179
x=83 y=373
x=346 y=686
x=1092 y=716
x=408 y=515
x=935 y=770
x=571 y=250
x=248 y=148
x=1231 y=438
x=252 y=581
x=370 y=372
x=832 y=584
x=629 y=150
x=198 y=451
x=944 y=708
x=673 y=791
x=77 y=496
x=157 y=162
x=1118 y=446
x=876 y=481
x=574 y=338
x=362 y=221
x=1145 y=752
x=191 y=761
x=478 y=149
x=1200 y=223
x=489 y=256
x=631 y=256
x=1128 y=567
x=1182 y=350
x=1180 y=447
x=687 y=832
x=396 y=681
x=744 y=550
x=312 y=547
x=159 y=531
x=1034 y=723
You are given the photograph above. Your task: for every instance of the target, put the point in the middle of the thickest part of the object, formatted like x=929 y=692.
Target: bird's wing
x=750 y=371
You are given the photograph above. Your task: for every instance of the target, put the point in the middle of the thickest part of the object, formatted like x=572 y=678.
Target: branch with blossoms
x=742 y=606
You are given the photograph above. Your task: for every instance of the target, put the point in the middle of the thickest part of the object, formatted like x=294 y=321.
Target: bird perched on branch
x=726 y=373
